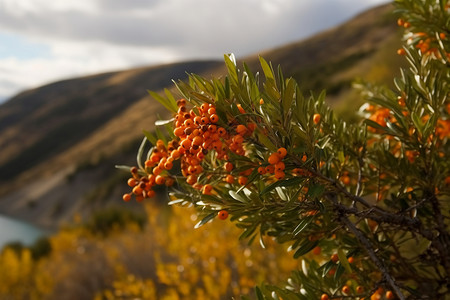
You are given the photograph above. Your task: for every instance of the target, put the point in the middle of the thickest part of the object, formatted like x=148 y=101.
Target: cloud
x=88 y=36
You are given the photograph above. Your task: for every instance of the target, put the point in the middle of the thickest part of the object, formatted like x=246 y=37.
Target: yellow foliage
x=169 y=259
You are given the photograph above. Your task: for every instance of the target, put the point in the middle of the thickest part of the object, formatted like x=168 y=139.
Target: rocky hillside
x=60 y=142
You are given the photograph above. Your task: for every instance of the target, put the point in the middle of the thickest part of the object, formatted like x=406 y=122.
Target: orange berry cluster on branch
x=196 y=134
x=276 y=166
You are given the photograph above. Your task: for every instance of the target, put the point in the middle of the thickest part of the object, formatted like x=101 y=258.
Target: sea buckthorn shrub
x=364 y=206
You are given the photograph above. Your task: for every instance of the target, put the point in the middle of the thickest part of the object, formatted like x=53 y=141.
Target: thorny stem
x=369 y=248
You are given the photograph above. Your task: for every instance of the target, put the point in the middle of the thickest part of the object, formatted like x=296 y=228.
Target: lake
x=13 y=230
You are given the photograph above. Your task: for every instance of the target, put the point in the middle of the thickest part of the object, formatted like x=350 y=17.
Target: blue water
x=12 y=230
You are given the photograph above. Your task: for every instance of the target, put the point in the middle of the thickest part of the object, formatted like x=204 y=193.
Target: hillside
x=60 y=142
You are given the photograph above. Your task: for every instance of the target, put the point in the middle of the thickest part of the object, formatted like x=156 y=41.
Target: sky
x=47 y=40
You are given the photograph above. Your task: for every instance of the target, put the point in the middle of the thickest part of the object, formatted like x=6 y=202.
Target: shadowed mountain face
x=59 y=142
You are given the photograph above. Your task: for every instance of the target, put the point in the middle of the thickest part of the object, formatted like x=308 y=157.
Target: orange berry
x=228 y=166
x=241 y=110
x=261 y=101
x=211 y=111
x=317 y=250
x=442 y=36
x=137 y=190
x=282 y=152
x=390 y=295
x=179 y=131
x=204 y=107
x=332 y=271
x=324 y=297
x=221 y=131
x=316 y=118
x=351 y=260
x=204 y=120
x=360 y=289
x=334 y=258
x=273 y=158
x=251 y=127
x=214 y=118
x=406 y=24
x=223 y=214
x=151 y=194
x=262 y=170
x=156 y=170
x=270 y=169
x=400 y=22
x=175 y=154
x=132 y=182
x=279 y=175
x=241 y=129
x=229 y=178
x=191 y=179
x=169 y=181
x=126 y=197
x=346 y=289
x=186 y=144
x=168 y=165
x=198 y=140
x=345 y=180
x=159 y=180
x=207 y=189
x=280 y=166
x=238 y=139
x=242 y=180
x=401 y=51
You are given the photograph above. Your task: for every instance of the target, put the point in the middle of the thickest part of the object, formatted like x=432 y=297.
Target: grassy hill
x=60 y=142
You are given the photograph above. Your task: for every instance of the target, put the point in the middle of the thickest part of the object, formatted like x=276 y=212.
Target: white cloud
x=88 y=36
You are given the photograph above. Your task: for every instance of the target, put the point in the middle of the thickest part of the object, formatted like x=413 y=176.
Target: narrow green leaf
x=165 y=102
x=302 y=225
x=343 y=260
x=305 y=248
x=259 y=293
x=286 y=182
x=171 y=99
x=140 y=153
x=206 y=220
x=265 y=141
x=150 y=137
x=123 y=168
x=163 y=122
x=230 y=62
x=237 y=197
x=268 y=72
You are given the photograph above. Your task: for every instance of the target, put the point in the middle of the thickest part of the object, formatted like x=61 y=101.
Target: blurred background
x=74 y=77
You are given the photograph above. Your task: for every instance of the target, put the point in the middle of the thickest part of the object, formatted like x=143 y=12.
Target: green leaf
x=288 y=95
x=259 y=293
x=230 y=62
x=152 y=139
x=305 y=247
x=165 y=102
x=343 y=260
x=302 y=225
x=163 y=122
x=267 y=69
x=286 y=182
x=140 y=153
x=316 y=190
x=265 y=141
x=237 y=197
x=206 y=220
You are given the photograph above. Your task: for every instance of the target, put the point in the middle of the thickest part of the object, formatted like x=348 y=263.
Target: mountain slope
x=60 y=142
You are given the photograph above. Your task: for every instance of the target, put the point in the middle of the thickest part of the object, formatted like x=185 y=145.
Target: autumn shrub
x=369 y=198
